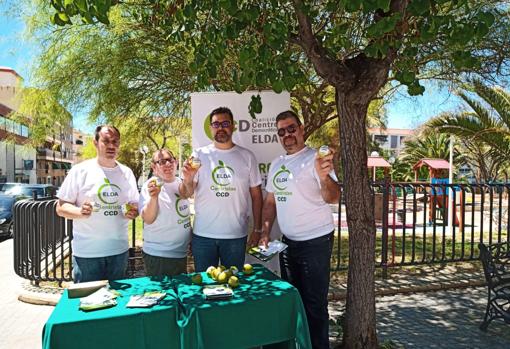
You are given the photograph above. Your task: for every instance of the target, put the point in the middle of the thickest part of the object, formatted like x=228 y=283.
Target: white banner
x=258 y=135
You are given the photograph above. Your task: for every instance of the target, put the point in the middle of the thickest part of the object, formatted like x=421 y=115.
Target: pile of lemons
x=223 y=275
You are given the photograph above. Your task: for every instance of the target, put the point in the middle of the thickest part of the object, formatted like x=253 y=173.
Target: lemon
x=233 y=281
x=223 y=277
x=248 y=269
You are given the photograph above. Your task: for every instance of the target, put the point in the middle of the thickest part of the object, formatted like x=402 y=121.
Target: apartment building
x=17 y=160
x=390 y=139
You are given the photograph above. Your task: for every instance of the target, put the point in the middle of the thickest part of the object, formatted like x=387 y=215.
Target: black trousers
x=306 y=265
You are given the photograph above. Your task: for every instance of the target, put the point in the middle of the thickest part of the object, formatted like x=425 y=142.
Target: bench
x=496 y=267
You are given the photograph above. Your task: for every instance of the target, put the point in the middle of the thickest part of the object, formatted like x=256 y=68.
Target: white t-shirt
x=301 y=211
x=105 y=232
x=222 y=195
x=169 y=235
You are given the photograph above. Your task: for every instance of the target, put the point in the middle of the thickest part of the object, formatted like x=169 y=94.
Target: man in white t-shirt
x=300 y=186
x=225 y=183
x=92 y=195
x=167 y=229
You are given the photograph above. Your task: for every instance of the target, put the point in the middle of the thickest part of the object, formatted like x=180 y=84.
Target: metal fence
x=42 y=242
x=411 y=228
x=413 y=223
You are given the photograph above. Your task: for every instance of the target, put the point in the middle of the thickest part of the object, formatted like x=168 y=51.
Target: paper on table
x=146 y=300
x=102 y=298
x=265 y=254
x=217 y=292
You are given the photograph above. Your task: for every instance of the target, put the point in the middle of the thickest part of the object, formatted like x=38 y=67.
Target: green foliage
x=40 y=109
x=453 y=33
x=484 y=129
x=427 y=144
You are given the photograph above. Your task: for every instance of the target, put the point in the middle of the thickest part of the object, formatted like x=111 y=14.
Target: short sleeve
x=255 y=179
x=133 y=188
x=144 y=197
x=195 y=154
x=69 y=189
x=269 y=183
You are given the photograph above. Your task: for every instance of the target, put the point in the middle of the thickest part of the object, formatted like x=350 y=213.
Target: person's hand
x=254 y=238
x=324 y=165
x=132 y=213
x=86 y=209
x=153 y=189
x=264 y=239
x=188 y=171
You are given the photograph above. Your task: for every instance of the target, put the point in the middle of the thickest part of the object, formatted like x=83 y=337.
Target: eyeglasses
x=163 y=162
x=290 y=129
x=222 y=124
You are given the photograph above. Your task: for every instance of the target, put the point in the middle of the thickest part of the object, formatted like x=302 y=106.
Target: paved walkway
x=20 y=323
x=444 y=318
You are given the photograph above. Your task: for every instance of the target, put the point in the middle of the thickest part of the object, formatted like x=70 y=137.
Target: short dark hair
x=288 y=114
x=109 y=127
x=221 y=110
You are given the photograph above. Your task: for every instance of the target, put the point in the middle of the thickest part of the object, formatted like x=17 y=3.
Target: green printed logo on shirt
x=281 y=178
x=108 y=193
x=222 y=175
x=181 y=207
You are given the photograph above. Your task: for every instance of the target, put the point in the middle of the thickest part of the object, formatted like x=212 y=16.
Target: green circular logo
x=108 y=193
x=181 y=207
x=222 y=174
x=281 y=178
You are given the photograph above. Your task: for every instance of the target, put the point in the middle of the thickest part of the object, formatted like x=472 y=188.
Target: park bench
x=496 y=267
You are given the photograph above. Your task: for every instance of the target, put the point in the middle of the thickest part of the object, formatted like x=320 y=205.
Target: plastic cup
x=195 y=163
x=323 y=151
x=127 y=207
x=157 y=181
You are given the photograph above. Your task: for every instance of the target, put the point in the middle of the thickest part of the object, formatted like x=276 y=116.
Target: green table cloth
x=264 y=310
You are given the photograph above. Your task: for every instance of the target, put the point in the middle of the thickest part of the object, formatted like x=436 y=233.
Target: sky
x=403 y=112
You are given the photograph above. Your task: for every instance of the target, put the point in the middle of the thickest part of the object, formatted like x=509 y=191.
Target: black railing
x=414 y=224
x=42 y=242
x=411 y=228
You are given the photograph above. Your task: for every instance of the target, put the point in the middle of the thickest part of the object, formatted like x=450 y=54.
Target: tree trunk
x=360 y=325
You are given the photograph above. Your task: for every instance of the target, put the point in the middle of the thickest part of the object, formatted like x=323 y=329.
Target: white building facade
x=17 y=161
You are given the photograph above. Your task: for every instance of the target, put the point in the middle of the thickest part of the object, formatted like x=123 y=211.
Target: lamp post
x=144 y=150
x=391 y=160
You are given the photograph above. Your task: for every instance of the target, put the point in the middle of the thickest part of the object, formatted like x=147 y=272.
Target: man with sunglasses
x=92 y=195
x=167 y=230
x=300 y=186
x=224 y=185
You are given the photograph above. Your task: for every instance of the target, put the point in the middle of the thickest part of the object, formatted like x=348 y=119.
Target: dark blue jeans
x=306 y=265
x=207 y=252
x=100 y=268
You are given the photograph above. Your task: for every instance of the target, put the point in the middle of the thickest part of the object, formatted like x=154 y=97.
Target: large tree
x=353 y=45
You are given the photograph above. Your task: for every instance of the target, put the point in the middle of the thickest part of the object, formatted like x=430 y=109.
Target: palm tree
x=424 y=145
x=484 y=130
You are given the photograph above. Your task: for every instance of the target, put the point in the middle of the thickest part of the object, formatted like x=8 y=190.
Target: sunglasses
x=163 y=162
x=223 y=124
x=290 y=129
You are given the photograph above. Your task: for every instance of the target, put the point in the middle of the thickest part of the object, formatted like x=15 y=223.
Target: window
x=24 y=131
x=402 y=139
x=9 y=125
x=393 y=142
x=381 y=139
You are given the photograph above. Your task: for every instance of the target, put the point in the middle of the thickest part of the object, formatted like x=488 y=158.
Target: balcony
x=48 y=154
